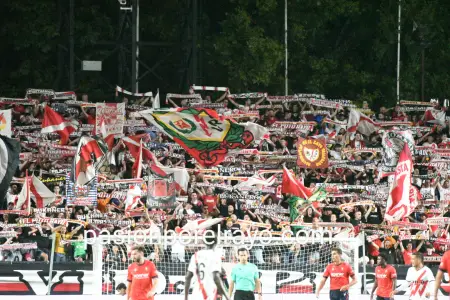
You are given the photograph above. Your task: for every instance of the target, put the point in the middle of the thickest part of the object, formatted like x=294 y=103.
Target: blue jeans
x=60 y=258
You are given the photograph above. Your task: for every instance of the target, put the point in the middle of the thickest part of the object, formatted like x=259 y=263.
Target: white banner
x=5 y=122
x=112 y=115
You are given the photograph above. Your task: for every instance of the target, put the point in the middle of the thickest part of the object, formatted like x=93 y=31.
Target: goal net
x=288 y=265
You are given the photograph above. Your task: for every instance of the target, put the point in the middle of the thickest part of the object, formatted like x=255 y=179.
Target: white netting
x=285 y=266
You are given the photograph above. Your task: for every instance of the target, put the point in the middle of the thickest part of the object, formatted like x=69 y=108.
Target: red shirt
x=445 y=262
x=338 y=274
x=407 y=255
x=210 y=202
x=141 y=278
x=384 y=278
x=374 y=251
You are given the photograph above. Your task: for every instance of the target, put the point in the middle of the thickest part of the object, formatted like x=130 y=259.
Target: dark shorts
x=244 y=295
x=383 y=298
x=338 y=295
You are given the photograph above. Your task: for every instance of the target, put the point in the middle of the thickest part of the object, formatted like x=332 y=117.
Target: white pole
x=285 y=49
x=398 y=48
x=137 y=46
x=52 y=261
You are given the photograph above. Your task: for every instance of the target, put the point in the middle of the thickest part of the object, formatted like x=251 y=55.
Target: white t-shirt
x=203 y=264
x=420 y=282
x=444 y=193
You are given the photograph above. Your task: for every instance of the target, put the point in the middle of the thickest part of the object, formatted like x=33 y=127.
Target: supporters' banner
x=209 y=88
x=399 y=203
x=161 y=192
x=111 y=116
x=25 y=246
x=312 y=153
x=293 y=125
x=39 y=92
x=9 y=161
x=393 y=143
x=81 y=195
x=406 y=102
x=324 y=103
x=65 y=96
x=353 y=204
x=22 y=101
x=248 y=95
x=5 y=122
x=203 y=133
x=123 y=91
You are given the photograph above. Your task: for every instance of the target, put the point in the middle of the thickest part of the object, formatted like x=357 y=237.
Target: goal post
x=288 y=265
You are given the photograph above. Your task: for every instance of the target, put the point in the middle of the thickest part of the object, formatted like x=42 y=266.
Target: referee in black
x=245 y=278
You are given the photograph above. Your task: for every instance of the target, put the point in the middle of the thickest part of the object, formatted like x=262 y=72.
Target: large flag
x=205 y=135
x=291 y=185
x=312 y=153
x=9 y=161
x=399 y=203
x=358 y=121
x=5 y=122
x=90 y=156
x=53 y=122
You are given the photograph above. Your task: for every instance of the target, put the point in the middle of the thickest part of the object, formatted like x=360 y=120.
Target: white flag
x=156 y=103
x=5 y=122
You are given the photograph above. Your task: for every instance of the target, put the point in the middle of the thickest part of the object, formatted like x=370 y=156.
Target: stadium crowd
x=356 y=190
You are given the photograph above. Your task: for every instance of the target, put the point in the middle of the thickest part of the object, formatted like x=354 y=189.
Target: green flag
x=296 y=202
x=319 y=195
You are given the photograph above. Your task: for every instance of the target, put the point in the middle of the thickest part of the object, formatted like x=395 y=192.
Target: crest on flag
x=312 y=153
x=393 y=142
x=162 y=192
x=205 y=135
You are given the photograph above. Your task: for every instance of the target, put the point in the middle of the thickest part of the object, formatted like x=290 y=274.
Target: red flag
x=53 y=122
x=137 y=166
x=108 y=138
x=357 y=121
x=399 y=202
x=291 y=185
x=133 y=144
x=89 y=158
x=41 y=192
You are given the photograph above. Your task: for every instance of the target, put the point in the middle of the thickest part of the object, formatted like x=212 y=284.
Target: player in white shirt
x=419 y=279
x=206 y=266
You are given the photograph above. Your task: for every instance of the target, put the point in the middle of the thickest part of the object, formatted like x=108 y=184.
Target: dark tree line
x=344 y=49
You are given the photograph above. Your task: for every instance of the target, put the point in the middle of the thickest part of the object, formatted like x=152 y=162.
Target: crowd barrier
x=77 y=279
x=178 y=297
